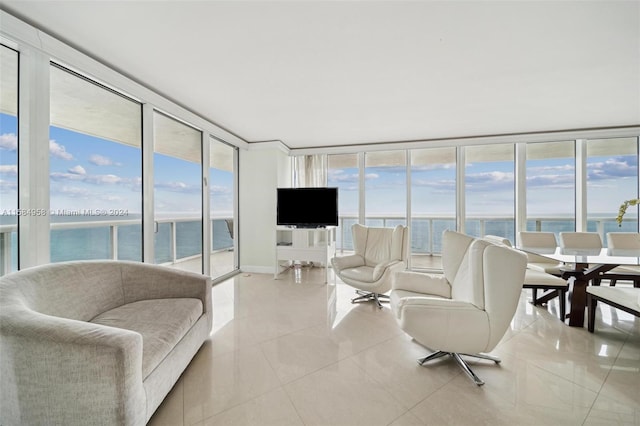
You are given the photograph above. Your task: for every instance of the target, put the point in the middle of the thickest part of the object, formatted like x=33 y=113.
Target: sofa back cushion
x=73 y=290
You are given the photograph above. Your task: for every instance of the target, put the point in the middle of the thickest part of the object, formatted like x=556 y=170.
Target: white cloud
x=544 y=169
x=9 y=141
x=74 y=192
x=77 y=170
x=217 y=189
x=177 y=187
x=66 y=176
x=340 y=176
x=8 y=186
x=101 y=160
x=78 y=174
x=59 y=151
x=103 y=179
x=9 y=169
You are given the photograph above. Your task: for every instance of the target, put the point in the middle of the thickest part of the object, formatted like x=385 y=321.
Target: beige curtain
x=310 y=171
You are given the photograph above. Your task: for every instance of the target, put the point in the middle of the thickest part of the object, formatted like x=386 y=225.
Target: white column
x=362 y=188
x=33 y=158
x=581 y=185
x=460 y=192
x=408 y=192
x=521 y=189
x=148 y=212
x=206 y=216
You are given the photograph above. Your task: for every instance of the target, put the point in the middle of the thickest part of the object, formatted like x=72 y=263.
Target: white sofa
x=96 y=342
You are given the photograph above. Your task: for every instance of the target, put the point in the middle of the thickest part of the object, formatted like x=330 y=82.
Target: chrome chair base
x=461 y=362
x=365 y=296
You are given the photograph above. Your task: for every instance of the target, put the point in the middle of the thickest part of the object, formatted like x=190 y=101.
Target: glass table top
x=592 y=256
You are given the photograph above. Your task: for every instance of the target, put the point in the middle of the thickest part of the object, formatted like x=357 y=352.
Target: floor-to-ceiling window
x=343 y=173
x=433 y=202
x=385 y=188
x=177 y=177
x=550 y=186
x=490 y=190
x=95 y=171
x=8 y=160
x=612 y=178
x=221 y=207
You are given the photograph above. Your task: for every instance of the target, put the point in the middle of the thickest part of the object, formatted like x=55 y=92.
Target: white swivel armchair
x=379 y=252
x=466 y=310
x=536 y=279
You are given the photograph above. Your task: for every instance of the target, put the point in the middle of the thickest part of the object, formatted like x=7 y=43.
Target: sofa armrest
x=345 y=262
x=428 y=284
x=62 y=371
x=144 y=281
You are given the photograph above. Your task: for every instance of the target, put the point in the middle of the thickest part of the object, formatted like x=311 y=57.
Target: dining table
x=582 y=266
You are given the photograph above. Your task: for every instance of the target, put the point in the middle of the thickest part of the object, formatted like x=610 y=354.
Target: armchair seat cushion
x=161 y=322
x=437 y=322
x=361 y=273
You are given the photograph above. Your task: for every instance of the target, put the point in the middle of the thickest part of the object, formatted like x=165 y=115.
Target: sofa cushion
x=161 y=322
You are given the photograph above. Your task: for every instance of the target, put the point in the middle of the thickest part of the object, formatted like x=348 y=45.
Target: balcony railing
x=426 y=230
x=179 y=239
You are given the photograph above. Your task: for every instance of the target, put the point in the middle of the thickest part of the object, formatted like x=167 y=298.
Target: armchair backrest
x=488 y=275
x=380 y=245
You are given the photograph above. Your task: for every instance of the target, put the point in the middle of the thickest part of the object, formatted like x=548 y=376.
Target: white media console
x=307 y=244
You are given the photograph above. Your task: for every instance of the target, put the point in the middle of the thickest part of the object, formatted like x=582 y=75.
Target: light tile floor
x=295 y=351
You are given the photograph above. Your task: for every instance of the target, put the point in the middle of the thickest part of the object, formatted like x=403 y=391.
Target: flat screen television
x=307 y=207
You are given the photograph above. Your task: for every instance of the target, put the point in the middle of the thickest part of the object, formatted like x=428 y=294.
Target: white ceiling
x=326 y=73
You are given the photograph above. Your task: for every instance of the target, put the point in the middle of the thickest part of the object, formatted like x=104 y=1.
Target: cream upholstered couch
x=96 y=342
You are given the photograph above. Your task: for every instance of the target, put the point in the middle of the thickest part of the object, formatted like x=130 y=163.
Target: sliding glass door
x=177 y=177
x=490 y=190
x=612 y=178
x=433 y=203
x=343 y=173
x=95 y=171
x=222 y=165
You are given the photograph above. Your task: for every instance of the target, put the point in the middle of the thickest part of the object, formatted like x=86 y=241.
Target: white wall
x=262 y=170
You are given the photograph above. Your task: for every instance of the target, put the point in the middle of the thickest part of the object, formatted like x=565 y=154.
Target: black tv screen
x=307 y=207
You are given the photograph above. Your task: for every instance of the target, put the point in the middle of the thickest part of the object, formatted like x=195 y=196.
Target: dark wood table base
x=578 y=278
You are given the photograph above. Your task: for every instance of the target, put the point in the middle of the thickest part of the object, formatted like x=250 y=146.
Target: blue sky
x=87 y=172
x=490 y=187
x=91 y=173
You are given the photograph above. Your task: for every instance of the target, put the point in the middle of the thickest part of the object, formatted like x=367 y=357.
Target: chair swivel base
x=365 y=296
x=461 y=362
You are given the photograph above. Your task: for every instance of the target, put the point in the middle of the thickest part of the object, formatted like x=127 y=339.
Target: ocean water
x=426 y=236
x=95 y=242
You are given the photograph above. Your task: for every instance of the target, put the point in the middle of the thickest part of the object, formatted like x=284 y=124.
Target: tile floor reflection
x=295 y=351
